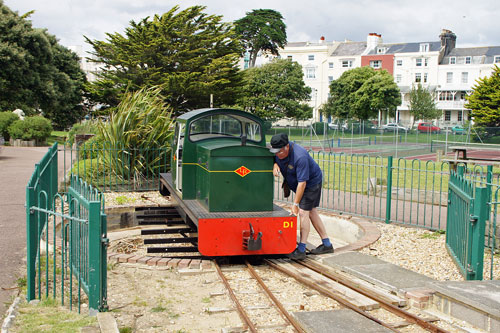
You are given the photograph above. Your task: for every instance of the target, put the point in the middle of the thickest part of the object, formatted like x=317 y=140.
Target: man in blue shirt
x=304 y=177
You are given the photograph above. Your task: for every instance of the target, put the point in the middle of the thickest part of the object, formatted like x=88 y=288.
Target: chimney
x=448 y=41
x=322 y=39
x=373 y=40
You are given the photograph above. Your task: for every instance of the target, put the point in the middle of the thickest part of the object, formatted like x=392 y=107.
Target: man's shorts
x=311 y=197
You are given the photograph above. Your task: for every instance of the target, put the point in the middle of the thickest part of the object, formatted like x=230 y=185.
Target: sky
x=476 y=23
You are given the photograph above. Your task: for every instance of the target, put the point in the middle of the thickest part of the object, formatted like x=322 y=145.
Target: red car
x=428 y=127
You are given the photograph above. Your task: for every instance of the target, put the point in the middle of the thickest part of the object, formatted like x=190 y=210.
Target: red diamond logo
x=242 y=171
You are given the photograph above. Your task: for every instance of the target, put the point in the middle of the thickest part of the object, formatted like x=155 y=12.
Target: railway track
x=347 y=292
x=247 y=319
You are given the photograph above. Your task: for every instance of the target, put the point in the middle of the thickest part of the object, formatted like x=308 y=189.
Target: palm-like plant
x=137 y=136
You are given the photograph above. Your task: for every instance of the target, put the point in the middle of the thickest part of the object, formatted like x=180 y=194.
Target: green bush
x=6 y=119
x=91 y=147
x=319 y=128
x=31 y=128
x=88 y=127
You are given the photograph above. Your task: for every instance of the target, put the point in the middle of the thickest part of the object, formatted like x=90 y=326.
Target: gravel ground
x=422 y=251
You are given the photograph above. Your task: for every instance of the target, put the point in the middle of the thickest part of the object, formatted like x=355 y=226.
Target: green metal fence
x=117 y=168
x=405 y=191
x=66 y=238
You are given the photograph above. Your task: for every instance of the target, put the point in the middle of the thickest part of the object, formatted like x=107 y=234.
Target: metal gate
x=66 y=238
x=465 y=227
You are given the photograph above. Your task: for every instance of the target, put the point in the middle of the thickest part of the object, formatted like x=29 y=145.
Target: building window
x=376 y=64
x=496 y=60
x=346 y=63
x=447 y=115
x=424 y=47
x=310 y=73
x=418 y=77
x=426 y=62
x=453 y=60
x=449 y=77
x=425 y=77
x=381 y=50
x=289 y=58
x=460 y=115
x=310 y=57
x=330 y=78
x=330 y=65
x=399 y=78
x=465 y=77
x=468 y=60
x=418 y=62
x=399 y=62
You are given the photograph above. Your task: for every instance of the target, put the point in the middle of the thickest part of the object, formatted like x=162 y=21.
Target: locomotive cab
x=220 y=159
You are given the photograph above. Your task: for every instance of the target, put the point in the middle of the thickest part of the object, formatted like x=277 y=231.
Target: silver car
x=393 y=127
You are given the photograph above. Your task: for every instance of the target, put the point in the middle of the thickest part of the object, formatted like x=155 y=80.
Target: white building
x=90 y=68
x=445 y=70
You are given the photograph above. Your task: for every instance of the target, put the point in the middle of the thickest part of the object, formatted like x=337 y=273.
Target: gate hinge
x=105 y=240
x=473 y=218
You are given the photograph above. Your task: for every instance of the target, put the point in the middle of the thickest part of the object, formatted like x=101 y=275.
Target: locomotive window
x=224 y=125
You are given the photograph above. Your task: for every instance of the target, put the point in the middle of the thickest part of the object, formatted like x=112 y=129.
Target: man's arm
x=298 y=196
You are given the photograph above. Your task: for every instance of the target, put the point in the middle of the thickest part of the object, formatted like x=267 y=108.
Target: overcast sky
x=476 y=23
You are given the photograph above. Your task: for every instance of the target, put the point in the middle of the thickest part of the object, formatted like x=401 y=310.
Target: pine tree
x=484 y=102
x=189 y=54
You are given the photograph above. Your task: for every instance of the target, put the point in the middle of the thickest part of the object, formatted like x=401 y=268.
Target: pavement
x=16 y=167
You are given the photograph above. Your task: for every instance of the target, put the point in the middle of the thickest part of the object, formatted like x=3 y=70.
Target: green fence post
x=478 y=221
x=31 y=243
x=389 y=190
x=94 y=256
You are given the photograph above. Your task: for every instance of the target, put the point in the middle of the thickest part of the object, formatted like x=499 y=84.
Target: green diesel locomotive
x=221 y=178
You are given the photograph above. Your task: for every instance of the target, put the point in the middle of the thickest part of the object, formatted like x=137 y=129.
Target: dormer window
x=310 y=57
x=453 y=60
x=424 y=47
x=496 y=60
x=381 y=50
x=468 y=60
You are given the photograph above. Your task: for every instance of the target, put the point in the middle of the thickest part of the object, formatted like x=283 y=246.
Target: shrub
x=31 y=128
x=88 y=127
x=6 y=119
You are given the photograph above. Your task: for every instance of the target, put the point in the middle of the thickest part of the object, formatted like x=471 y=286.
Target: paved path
x=16 y=167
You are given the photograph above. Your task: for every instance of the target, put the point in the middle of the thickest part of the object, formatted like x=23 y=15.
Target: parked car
x=457 y=129
x=428 y=127
x=393 y=127
x=335 y=126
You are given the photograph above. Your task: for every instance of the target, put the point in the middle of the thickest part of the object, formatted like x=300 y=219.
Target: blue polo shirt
x=299 y=167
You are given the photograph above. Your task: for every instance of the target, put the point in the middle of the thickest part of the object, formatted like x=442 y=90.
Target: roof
x=480 y=55
x=412 y=47
x=349 y=49
x=200 y=112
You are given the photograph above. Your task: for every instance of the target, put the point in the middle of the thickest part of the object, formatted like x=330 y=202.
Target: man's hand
x=276 y=170
x=295 y=210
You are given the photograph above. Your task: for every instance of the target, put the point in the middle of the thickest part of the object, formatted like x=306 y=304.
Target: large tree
x=36 y=73
x=361 y=93
x=276 y=90
x=189 y=54
x=422 y=104
x=261 y=30
x=484 y=102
